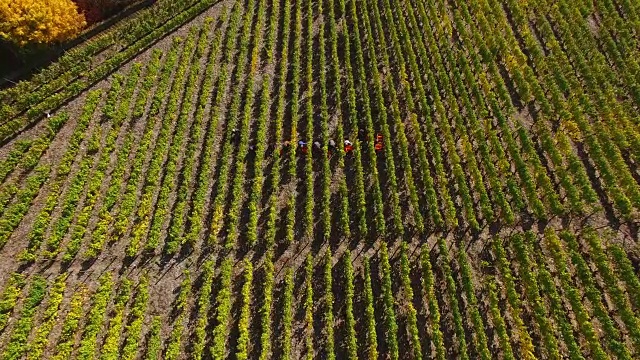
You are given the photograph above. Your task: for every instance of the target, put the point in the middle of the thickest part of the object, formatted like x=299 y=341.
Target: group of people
x=317 y=149
x=303 y=147
x=378 y=144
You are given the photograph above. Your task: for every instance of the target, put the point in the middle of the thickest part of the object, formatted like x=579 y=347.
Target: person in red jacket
x=348 y=146
x=303 y=147
x=379 y=145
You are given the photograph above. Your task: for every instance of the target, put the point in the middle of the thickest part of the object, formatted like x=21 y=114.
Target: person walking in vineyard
x=317 y=148
x=348 y=146
x=362 y=135
x=251 y=152
x=285 y=147
x=235 y=136
x=304 y=149
x=331 y=148
x=379 y=144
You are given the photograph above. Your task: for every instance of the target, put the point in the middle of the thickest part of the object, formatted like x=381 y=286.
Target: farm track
x=159 y=215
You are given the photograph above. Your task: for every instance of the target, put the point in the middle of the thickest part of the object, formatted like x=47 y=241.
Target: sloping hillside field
x=322 y=179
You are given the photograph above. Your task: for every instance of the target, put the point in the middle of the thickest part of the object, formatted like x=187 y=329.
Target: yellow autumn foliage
x=39 y=21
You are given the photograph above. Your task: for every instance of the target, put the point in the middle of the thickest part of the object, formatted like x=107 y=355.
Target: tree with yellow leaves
x=39 y=21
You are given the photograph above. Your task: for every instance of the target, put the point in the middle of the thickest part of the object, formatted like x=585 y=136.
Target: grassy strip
x=78 y=59
x=360 y=203
x=223 y=182
x=308 y=308
x=204 y=303
x=451 y=295
x=479 y=334
x=573 y=295
x=271 y=226
x=70 y=326
x=412 y=314
x=498 y=321
x=350 y=321
x=185 y=133
x=287 y=317
x=223 y=315
x=38 y=345
x=173 y=350
x=378 y=205
x=175 y=236
x=370 y=337
x=15 y=212
x=556 y=308
x=627 y=273
x=166 y=139
x=118 y=117
x=95 y=318
x=428 y=285
x=133 y=330
x=239 y=176
x=265 y=309
x=389 y=317
x=120 y=220
x=197 y=212
x=154 y=345
x=111 y=347
x=434 y=146
x=532 y=292
x=17 y=345
x=399 y=125
x=36 y=236
x=611 y=287
x=329 y=342
x=513 y=300
x=245 y=312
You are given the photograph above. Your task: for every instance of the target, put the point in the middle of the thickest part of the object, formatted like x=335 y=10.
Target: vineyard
x=155 y=203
